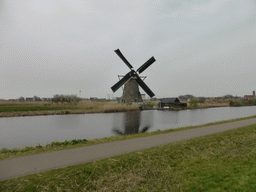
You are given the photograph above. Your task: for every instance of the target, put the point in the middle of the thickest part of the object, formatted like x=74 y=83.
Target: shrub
x=55 y=143
x=238 y=103
x=66 y=98
x=5 y=150
x=149 y=104
x=250 y=102
x=14 y=150
x=66 y=142
x=201 y=100
x=193 y=102
x=27 y=149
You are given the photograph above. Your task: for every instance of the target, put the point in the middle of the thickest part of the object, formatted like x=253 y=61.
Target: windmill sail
x=144 y=86
x=118 y=52
x=146 y=65
x=126 y=78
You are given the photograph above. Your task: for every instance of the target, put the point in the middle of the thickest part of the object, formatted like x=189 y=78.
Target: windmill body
x=132 y=81
x=131 y=92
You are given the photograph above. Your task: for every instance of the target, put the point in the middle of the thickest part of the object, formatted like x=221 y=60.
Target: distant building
x=185 y=97
x=153 y=99
x=29 y=98
x=37 y=98
x=46 y=99
x=94 y=98
x=118 y=98
x=13 y=100
x=228 y=96
x=143 y=96
x=171 y=102
x=97 y=99
x=250 y=96
x=21 y=99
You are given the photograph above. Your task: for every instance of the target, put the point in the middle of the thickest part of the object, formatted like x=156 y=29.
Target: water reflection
x=130 y=123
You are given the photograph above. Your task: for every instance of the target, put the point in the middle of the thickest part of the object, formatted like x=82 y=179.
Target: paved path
x=11 y=168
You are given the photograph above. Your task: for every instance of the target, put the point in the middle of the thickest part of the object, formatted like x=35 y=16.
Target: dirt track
x=16 y=167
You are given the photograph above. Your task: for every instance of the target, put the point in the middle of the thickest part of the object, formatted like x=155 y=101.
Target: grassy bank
x=56 y=146
x=219 y=162
x=207 y=103
x=249 y=102
x=213 y=103
x=13 y=109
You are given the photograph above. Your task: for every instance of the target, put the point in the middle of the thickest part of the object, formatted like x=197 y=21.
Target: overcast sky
x=201 y=47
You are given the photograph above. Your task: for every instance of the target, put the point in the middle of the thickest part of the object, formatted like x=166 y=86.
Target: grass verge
x=218 y=162
x=57 y=146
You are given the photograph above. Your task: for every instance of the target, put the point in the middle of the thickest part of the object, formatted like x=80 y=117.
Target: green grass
x=219 y=162
x=149 y=104
x=57 y=146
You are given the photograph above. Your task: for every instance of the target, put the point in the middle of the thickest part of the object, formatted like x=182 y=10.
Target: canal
x=18 y=132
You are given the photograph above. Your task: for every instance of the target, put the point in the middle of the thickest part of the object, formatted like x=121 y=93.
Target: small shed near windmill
x=171 y=102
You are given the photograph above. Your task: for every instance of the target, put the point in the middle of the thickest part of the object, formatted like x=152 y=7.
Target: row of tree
x=66 y=98
x=35 y=98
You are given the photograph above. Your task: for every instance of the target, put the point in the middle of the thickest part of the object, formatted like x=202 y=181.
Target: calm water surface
x=31 y=131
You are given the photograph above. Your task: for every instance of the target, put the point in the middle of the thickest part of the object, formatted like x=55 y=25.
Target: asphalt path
x=21 y=166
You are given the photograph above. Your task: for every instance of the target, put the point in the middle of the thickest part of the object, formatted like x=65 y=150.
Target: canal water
x=18 y=132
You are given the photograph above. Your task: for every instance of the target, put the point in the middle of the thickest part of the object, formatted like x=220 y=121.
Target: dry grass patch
x=12 y=109
x=214 y=103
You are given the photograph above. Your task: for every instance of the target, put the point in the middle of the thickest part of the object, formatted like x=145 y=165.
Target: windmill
x=132 y=81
